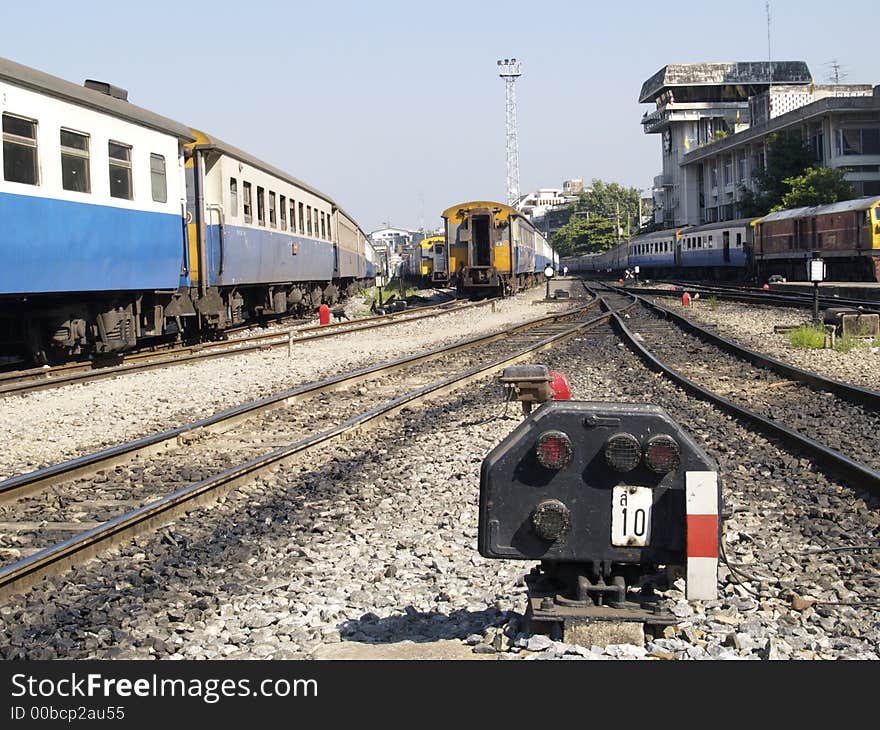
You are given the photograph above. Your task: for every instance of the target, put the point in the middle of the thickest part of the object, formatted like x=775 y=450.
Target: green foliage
x=807 y=336
x=713 y=302
x=816 y=186
x=584 y=235
x=591 y=227
x=848 y=342
x=787 y=157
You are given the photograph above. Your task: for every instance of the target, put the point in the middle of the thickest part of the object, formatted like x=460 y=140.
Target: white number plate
x=631 y=516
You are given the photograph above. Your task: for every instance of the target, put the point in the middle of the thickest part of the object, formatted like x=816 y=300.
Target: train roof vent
x=105 y=88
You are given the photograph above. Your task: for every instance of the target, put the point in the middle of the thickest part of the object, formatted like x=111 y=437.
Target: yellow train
x=493 y=249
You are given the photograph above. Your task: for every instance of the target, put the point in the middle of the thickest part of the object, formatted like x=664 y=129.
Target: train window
x=272 y=216
x=120 y=170
x=75 y=161
x=233 y=197
x=246 y=202
x=323 y=226
x=739 y=240
x=292 y=216
x=329 y=232
x=157 y=178
x=261 y=205
x=709 y=244
x=309 y=219
x=282 y=211
x=300 y=219
x=20 y=150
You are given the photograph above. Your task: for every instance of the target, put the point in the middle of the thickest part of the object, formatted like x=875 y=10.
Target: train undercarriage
x=54 y=328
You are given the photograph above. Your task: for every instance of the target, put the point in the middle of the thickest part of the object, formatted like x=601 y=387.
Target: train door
x=678 y=252
x=481 y=232
x=441 y=266
x=725 y=238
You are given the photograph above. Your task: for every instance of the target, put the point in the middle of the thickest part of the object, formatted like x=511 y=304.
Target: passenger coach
x=493 y=248
x=91 y=200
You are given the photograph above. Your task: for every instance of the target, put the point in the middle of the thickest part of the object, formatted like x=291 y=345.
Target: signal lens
x=623 y=452
x=554 y=449
x=662 y=453
x=551 y=520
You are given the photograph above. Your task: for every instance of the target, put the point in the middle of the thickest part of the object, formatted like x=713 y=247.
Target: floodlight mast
x=510 y=70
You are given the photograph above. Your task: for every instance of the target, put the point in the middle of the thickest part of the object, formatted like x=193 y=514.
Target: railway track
x=104 y=498
x=18 y=383
x=748 y=295
x=834 y=422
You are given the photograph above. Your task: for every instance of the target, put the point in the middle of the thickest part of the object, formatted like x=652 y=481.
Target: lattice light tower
x=509 y=69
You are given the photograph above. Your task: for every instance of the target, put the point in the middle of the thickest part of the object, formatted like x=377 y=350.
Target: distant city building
x=714 y=119
x=391 y=239
x=549 y=208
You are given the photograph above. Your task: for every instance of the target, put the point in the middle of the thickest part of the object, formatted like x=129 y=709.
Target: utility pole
x=617 y=220
x=510 y=70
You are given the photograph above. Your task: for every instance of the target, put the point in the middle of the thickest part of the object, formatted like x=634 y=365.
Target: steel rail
x=855 y=393
x=229 y=348
x=20 y=575
x=24 y=484
x=833 y=461
x=766 y=298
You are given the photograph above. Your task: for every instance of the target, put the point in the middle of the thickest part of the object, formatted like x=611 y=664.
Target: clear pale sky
x=395 y=109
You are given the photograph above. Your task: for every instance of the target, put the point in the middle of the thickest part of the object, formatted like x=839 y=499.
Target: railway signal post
x=816 y=274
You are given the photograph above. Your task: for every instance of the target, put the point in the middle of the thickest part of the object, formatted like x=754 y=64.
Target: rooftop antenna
x=510 y=70
x=836 y=73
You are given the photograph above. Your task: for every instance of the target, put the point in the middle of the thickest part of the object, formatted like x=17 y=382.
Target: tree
x=816 y=186
x=594 y=218
x=584 y=234
x=787 y=157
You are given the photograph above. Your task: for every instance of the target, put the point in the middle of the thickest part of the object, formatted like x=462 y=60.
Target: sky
x=395 y=109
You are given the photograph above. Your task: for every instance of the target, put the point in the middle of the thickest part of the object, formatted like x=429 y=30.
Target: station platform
x=844 y=289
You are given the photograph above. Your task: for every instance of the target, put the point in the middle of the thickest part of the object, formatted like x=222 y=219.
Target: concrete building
x=714 y=118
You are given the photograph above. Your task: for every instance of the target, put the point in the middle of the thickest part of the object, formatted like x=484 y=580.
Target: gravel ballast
x=375 y=542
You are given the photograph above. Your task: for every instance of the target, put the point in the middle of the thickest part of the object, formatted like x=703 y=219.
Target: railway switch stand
x=612 y=499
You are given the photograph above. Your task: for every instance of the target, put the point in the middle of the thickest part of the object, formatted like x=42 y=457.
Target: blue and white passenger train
x=712 y=250
x=119 y=225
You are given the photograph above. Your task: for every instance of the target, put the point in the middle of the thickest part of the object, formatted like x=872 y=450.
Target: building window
x=233 y=197
x=743 y=172
x=75 y=162
x=157 y=179
x=272 y=209
x=120 y=170
x=859 y=141
x=246 y=202
x=261 y=206
x=301 y=222
x=19 y=150
x=728 y=170
x=282 y=211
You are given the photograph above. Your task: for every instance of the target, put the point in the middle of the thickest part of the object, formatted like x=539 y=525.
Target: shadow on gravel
x=419 y=627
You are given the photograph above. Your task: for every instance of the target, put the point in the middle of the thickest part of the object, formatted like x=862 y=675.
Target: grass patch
x=807 y=336
x=713 y=302
x=845 y=344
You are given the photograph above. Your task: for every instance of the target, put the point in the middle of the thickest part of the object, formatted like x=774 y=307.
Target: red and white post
x=701 y=489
